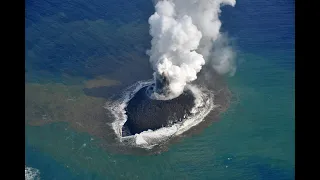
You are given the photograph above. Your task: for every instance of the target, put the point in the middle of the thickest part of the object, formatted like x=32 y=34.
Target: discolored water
x=81 y=53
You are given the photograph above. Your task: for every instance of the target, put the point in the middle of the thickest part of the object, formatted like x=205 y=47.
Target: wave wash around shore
x=148 y=139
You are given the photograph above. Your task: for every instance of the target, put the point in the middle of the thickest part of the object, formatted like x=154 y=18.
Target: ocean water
x=71 y=42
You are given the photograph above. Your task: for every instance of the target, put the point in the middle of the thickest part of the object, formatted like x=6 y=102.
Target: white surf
x=147 y=139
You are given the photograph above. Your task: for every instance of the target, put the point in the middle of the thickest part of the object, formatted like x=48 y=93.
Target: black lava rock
x=145 y=113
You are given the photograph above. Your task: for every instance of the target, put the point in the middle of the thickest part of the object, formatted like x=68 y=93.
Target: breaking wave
x=148 y=139
x=31 y=173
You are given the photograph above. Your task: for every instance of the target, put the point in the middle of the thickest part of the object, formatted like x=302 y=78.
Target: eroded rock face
x=145 y=113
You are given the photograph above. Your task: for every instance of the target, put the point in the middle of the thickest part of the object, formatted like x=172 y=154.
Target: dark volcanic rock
x=145 y=113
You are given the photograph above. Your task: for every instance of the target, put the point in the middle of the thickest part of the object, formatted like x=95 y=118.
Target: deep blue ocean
x=68 y=42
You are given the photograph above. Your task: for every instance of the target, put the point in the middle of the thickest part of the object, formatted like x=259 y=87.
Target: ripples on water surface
x=78 y=53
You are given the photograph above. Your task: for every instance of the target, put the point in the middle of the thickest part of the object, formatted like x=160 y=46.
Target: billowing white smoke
x=222 y=56
x=184 y=34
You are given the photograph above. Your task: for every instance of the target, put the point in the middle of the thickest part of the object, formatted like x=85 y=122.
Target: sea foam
x=31 y=173
x=147 y=139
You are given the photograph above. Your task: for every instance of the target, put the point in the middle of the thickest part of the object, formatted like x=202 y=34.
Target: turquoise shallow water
x=254 y=139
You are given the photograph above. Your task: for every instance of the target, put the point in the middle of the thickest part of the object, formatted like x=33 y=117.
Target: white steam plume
x=184 y=33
